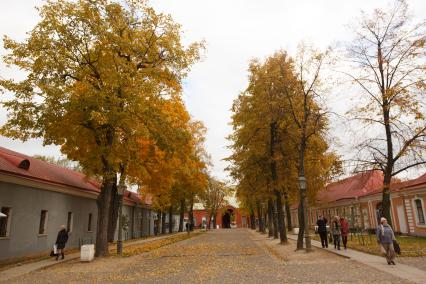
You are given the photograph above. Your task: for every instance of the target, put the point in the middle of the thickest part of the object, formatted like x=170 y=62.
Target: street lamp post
x=120 y=190
x=302 y=185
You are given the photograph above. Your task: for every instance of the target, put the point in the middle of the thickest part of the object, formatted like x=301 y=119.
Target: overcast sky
x=235 y=32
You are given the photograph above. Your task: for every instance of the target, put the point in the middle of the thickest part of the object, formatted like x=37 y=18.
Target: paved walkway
x=24 y=269
x=219 y=256
x=404 y=271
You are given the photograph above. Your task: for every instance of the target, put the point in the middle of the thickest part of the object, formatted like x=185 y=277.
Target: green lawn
x=410 y=246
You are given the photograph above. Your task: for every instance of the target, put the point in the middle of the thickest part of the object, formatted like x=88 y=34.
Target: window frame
x=416 y=213
x=90 y=223
x=70 y=221
x=8 y=224
x=46 y=220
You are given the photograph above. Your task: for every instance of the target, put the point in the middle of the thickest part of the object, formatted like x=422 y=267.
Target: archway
x=226 y=219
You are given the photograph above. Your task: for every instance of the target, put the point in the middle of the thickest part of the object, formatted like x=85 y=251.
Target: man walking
x=61 y=240
x=322 y=230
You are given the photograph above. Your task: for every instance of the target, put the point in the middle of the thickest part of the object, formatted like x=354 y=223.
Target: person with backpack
x=386 y=238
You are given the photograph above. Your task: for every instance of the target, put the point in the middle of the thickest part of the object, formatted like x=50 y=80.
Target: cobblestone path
x=219 y=256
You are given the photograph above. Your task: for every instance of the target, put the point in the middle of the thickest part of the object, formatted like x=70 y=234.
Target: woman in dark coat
x=61 y=240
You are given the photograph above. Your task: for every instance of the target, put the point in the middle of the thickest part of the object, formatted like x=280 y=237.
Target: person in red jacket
x=344 y=225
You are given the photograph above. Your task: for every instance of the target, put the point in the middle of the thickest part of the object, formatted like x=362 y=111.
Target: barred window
x=420 y=213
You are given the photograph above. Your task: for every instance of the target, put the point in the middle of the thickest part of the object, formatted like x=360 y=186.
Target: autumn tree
x=98 y=73
x=214 y=199
x=387 y=61
x=279 y=136
x=309 y=117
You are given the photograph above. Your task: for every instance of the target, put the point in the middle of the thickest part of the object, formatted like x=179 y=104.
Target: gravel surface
x=220 y=256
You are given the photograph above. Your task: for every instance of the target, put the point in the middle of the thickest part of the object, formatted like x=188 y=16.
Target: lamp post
x=302 y=185
x=120 y=190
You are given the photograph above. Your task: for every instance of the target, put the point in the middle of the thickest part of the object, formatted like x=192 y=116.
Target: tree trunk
x=275 y=222
x=163 y=222
x=302 y=192
x=181 y=214
x=387 y=175
x=281 y=221
x=191 y=214
x=288 y=212
x=265 y=216
x=113 y=211
x=104 y=203
x=270 y=218
x=171 y=219
x=252 y=219
x=273 y=140
x=214 y=221
x=259 y=217
x=301 y=217
x=386 y=205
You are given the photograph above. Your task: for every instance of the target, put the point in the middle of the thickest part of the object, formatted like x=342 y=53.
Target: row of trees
x=279 y=138
x=280 y=121
x=104 y=81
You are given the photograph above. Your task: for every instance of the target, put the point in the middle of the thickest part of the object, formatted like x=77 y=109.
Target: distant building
x=358 y=198
x=228 y=217
x=38 y=197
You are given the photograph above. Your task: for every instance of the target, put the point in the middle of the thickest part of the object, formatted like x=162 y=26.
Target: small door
x=401 y=219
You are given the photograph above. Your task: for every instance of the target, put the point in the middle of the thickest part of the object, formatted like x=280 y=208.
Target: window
x=69 y=222
x=419 y=210
x=5 y=222
x=42 y=229
x=89 y=223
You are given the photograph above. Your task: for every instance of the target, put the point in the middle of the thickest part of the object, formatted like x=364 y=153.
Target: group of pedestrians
x=339 y=231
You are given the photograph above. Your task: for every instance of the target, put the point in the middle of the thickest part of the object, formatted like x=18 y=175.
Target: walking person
x=345 y=231
x=385 y=238
x=336 y=231
x=61 y=240
x=322 y=230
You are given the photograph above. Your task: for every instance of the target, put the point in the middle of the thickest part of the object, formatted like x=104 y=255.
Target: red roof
x=403 y=185
x=351 y=187
x=46 y=172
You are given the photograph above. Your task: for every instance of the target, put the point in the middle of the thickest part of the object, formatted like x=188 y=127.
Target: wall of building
x=27 y=203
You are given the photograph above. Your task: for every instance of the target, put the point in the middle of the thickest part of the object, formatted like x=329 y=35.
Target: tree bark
x=113 y=211
x=281 y=221
x=301 y=217
x=270 y=218
x=265 y=217
x=302 y=196
x=214 y=221
x=252 y=219
x=387 y=175
x=181 y=214
x=191 y=214
x=163 y=222
x=104 y=203
x=275 y=215
x=171 y=219
x=259 y=217
x=288 y=212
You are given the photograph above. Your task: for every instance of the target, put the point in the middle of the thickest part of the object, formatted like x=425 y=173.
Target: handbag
x=396 y=247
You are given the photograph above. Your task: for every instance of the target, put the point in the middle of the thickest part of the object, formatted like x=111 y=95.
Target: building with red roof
x=358 y=198
x=38 y=197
